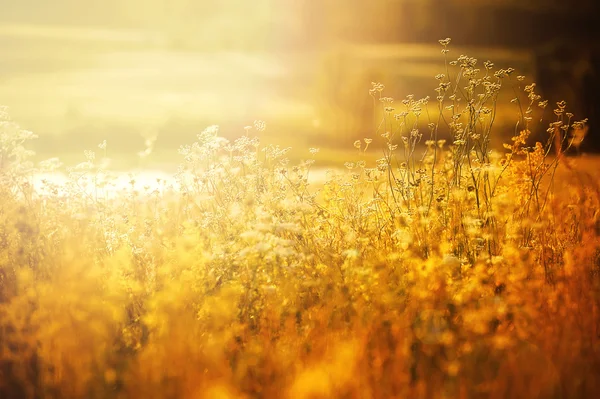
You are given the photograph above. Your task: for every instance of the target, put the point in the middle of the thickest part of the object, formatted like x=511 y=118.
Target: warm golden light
x=296 y=199
x=83 y=72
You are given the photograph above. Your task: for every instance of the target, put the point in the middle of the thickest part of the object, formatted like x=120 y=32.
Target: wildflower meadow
x=428 y=264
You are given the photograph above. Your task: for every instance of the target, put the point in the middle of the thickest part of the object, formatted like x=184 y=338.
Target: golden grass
x=451 y=272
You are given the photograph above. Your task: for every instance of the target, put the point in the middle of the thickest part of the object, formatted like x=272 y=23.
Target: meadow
x=429 y=264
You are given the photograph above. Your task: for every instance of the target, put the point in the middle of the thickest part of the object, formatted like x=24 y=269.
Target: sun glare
x=297 y=199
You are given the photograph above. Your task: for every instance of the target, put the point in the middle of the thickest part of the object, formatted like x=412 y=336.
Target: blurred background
x=79 y=72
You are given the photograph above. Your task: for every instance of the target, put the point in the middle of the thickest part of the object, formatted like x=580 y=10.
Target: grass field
x=431 y=264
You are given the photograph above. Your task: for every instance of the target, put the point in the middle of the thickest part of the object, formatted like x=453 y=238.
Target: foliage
x=445 y=269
